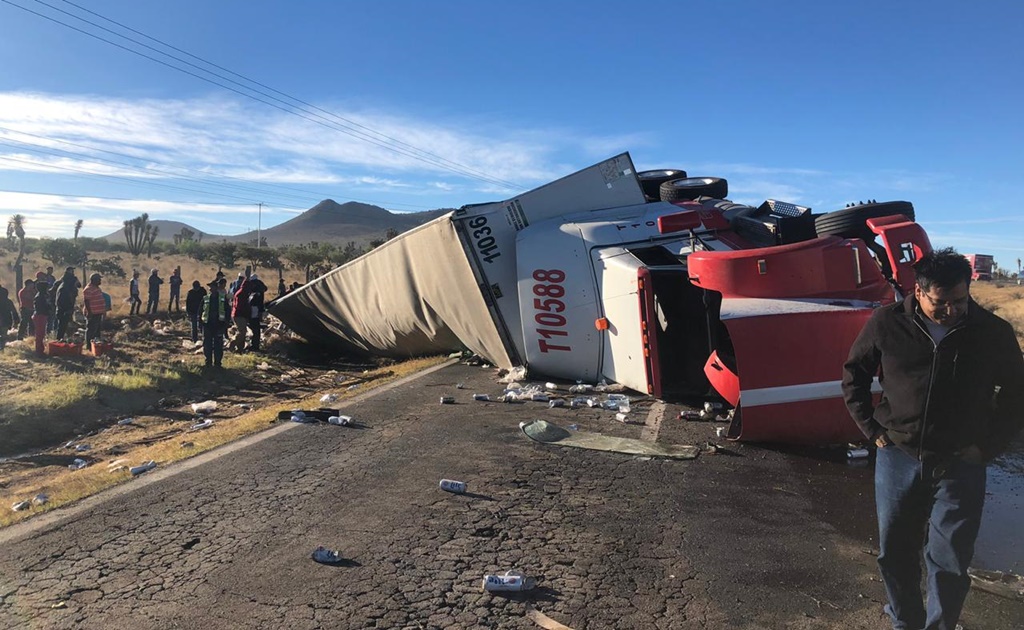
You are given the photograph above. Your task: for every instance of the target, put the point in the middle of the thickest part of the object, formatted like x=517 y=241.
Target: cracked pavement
x=750 y=538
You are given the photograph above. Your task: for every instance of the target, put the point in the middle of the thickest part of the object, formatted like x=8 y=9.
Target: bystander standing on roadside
x=94 y=307
x=153 y=296
x=240 y=314
x=49 y=277
x=215 y=322
x=134 y=296
x=233 y=287
x=174 y=283
x=8 y=315
x=952 y=377
x=194 y=308
x=257 y=305
x=25 y=297
x=63 y=296
x=41 y=311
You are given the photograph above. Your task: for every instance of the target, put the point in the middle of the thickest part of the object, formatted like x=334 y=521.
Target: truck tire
x=689 y=188
x=852 y=222
x=651 y=181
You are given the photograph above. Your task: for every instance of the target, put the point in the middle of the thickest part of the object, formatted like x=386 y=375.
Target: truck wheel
x=851 y=222
x=651 y=181
x=689 y=188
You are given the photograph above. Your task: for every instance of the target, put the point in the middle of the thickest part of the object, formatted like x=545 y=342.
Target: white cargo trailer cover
x=414 y=295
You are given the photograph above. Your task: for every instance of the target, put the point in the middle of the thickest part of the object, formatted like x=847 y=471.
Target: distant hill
x=326 y=222
x=166 y=234
x=330 y=222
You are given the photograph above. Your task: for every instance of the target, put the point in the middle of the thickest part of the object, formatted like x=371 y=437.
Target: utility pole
x=259 y=225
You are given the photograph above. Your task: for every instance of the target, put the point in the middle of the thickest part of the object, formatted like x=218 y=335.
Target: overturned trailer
x=653 y=280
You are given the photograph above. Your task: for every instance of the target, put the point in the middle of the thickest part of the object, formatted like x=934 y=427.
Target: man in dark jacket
x=42 y=309
x=215 y=315
x=153 y=302
x=952 y=377
x=257 y=291
x=194 y=308
x=64 y=295
x=8 y=315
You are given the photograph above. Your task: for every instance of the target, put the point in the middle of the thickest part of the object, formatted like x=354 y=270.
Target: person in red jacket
x=95 y=307
x=25 y=297
x=240 y=312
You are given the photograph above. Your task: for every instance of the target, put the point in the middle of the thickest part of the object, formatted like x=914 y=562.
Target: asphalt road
x=751 y=538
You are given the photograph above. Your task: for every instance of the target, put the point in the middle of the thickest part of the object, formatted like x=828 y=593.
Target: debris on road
x=450 y=485
x=82 y=448
x=329 y=398
x=125 y=421
x=857 y=453
x=483 y=397
x=341 y=421
x=207 y=406
x=510 y=581
x=1006 y=585
x=547 y=433
x=447 y=400
x=40 y=499
x=199 y=426
x=138 y=470
x=326 y=556
x=21 y=506
x=78 y=464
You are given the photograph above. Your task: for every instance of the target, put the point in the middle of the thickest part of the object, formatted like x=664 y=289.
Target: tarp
x=413 y=295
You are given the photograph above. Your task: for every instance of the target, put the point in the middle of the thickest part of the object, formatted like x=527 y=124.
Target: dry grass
x=177 y=443
x=1006 y=301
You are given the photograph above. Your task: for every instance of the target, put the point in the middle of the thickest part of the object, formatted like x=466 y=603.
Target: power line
x=388 y=144
x=288 y=96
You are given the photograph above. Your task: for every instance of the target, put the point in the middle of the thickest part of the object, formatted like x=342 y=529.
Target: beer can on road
x=483 y=397
x=509 y=581
x=450 y=485
x=447 y=400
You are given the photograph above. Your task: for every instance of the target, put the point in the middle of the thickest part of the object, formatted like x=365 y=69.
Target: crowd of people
x=46 y=306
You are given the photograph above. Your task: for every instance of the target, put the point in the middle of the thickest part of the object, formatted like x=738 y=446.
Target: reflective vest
x=221 y=307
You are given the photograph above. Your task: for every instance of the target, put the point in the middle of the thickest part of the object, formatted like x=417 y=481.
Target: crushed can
x=483 y=397
x=447 y=400
x=509 y=581
x=557 y=402
x=689 y=414
x=857 y=453
x=712 y=407
x=450 y=485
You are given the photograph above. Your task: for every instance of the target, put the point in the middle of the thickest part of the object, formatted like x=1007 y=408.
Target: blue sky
x=816 y=103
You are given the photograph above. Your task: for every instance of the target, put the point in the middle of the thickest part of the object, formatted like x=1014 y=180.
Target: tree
x=304 y=257
x=109 y=266
x=260 y=256
x=16 y=230
x=63 y=252
x=224 y=254
x=150 y=239
x=390 y=234
x=184 y=236
x=136 y=233
x=78 y=227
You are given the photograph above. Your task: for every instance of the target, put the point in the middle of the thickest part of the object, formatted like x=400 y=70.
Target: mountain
x=166 y=234
x=330 y=222
x=326 y=222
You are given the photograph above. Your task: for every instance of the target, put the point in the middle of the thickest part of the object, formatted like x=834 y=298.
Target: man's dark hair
x=943 y=268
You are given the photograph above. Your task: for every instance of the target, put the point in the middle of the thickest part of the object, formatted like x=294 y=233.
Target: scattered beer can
x=460 y=386
x=689 y=414
x=509 y=581
x=447 y=400
x=450 y=485
x=539 y=397
x=483 y=397
x=623 y=418
x=551 y=387
x=857 y=453
x=712 y=407
x=341 y=421
x=721 y=431
x=557 y=402
x=141 y=468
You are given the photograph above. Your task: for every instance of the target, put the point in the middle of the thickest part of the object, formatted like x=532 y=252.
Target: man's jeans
x=949 y=505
